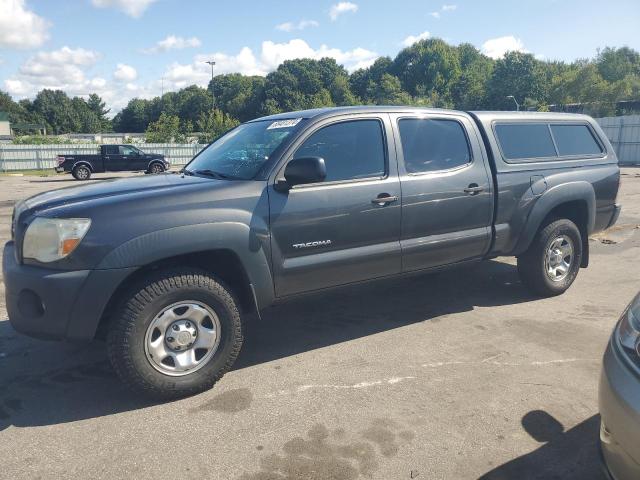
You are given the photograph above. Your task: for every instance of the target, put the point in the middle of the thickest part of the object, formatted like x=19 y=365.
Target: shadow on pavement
x=568 y=455
x=46 y=383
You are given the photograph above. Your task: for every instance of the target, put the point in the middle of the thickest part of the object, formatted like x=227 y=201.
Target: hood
x=111 y=188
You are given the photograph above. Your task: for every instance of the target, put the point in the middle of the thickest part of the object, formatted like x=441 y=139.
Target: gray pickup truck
x=166 y=266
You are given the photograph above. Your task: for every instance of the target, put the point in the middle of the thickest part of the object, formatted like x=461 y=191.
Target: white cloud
x=171 y=42
x=59 y=69
x=444 y=8
x=20 y=27
x=271 y=55
x=125 y=73
x=340 y=8
x=301 y=25
x=497 y=47
x=70 y=70
x=133 y=8
x=411 y=39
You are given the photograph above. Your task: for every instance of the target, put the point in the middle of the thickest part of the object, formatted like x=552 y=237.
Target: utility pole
x=161 y=94
x=515 y=101
x=213 y=98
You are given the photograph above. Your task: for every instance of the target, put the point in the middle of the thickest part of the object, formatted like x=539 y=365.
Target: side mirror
x=300 y=171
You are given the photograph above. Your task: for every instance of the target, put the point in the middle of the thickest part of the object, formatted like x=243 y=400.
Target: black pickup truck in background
x=112 y=158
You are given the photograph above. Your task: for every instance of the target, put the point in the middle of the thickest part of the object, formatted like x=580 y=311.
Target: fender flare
x=552 y=198
x=82 y=162
x=155 y=160
x=236 y=237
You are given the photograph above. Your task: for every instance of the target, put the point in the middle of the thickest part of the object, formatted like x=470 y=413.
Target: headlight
x=629 y=327
x=50 y=239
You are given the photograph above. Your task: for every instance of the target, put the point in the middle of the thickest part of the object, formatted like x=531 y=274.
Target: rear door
x=447 y=199
x=113 y=161
x=347 y=228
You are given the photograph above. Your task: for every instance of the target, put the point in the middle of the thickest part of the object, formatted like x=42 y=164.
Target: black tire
x=156 y=168
x=532 y=265
x=81 y=172
x=127 y=332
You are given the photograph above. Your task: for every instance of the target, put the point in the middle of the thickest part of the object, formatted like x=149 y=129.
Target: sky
x=122 y=49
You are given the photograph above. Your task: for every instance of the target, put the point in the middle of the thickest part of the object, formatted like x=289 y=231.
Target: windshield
x=244 y=150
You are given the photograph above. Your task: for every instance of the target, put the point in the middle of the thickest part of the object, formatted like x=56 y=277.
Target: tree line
x=428 y=73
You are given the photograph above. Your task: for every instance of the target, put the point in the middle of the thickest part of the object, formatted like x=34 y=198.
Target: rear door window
x=351 y=150
x=526 y=140
x=111 y=150
x=575 y=140
x=429 y=145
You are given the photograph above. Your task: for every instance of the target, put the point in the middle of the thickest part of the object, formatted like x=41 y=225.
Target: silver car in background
x=619 y=398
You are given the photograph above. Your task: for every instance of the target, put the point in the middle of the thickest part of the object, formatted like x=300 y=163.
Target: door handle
x=384 y=198
x=474 y=189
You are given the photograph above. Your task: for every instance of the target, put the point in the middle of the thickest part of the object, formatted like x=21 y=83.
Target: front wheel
x=176 y=334
x=156 y=168
x=553 y=259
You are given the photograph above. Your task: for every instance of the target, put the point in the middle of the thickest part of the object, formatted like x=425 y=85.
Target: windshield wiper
x=213 y=174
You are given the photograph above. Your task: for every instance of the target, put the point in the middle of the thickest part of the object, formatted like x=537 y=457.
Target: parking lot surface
x=456 y=375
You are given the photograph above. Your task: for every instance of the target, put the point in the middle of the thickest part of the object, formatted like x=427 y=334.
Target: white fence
x=623 y=132
x=39 y=157
x=624 y=135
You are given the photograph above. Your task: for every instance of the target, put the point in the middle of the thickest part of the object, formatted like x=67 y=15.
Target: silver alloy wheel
x=156 y=168
x=83 y=173
x=557 y=261
x=182 y=338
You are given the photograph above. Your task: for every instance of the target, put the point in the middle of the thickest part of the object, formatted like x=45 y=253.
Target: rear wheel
x=156 y=168
x=81 y=172
x=552 y=262
x=176 y=334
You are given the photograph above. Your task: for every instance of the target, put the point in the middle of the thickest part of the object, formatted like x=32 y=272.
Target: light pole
x=514 y=101
x=213 y=98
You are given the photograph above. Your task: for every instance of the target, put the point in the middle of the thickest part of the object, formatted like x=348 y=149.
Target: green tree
x=213 y=124
x=470 y=90
x=518 y=74
x=305 y=83
x=58 y=111
x=240 y=96
x=134 y=118
x=388 y=91
x=614 y=64
x=428 y=68
x=165 y=130
x=363 y=82
x=100 y=110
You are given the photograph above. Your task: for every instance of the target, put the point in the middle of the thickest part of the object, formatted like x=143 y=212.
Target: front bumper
x=619 y=400
x=54 y=304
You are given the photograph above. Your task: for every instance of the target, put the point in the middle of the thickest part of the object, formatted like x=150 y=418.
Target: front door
x=447 y=198
x=132 y=158
x=347 y=228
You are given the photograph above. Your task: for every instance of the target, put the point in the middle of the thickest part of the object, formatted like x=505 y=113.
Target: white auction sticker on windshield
x=284 y=123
